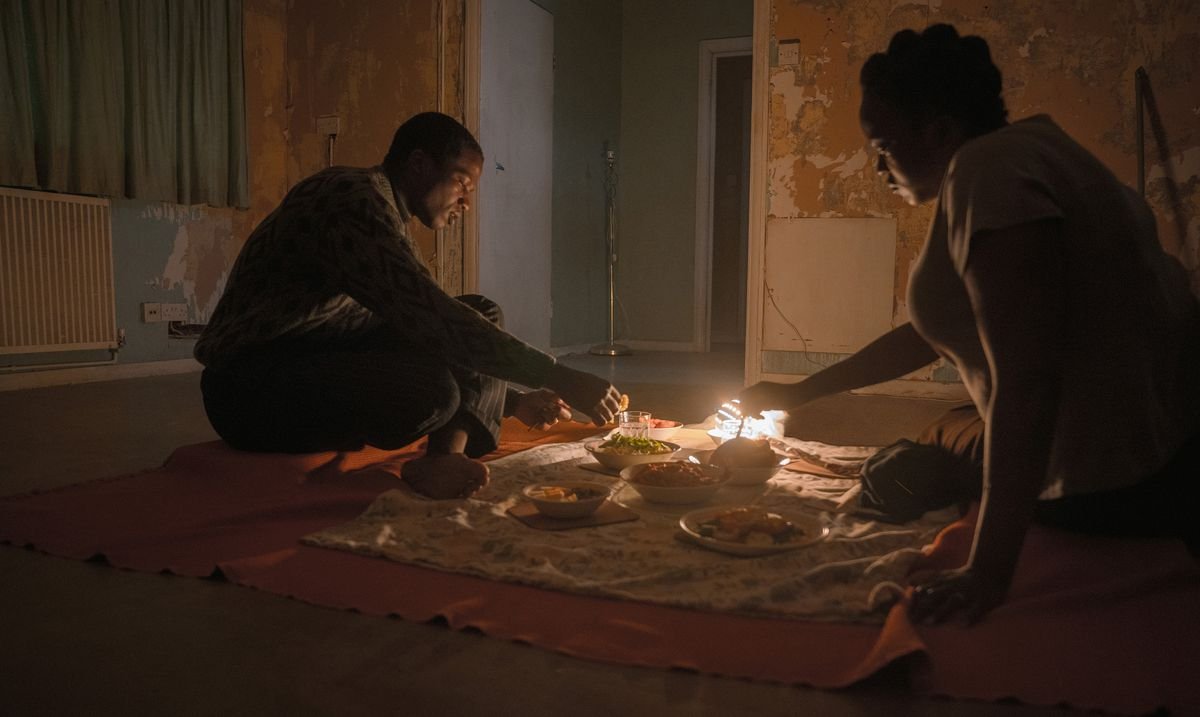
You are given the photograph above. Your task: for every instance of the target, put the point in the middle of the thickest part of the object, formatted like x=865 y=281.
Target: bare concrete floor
x=84 y=638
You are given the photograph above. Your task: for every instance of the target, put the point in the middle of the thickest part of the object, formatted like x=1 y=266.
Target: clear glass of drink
x=633 y=424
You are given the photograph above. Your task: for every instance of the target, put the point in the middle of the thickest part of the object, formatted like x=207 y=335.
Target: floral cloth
x=852 y=575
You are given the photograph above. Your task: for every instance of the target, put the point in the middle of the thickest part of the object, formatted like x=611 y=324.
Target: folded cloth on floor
x=832 y=579
x=821 y=458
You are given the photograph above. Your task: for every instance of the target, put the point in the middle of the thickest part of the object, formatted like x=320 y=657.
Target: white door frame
x=471 y=72
x=710 y=52
x=757 y=241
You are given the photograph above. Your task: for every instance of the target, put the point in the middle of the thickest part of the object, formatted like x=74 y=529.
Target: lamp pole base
x=610 y=349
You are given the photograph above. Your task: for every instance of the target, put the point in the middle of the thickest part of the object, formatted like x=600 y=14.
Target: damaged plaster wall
x=164 y=252
x=1072 y=59
x=374 y=64
x=371 y=62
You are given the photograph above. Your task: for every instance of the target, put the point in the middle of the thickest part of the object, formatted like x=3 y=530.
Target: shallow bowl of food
x=675 y=482
x=618 y=452
x=567 y=498
x=662 y=429
x=750 y=530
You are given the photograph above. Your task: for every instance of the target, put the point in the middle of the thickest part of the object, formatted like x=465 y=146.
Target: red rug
x=1094 y=623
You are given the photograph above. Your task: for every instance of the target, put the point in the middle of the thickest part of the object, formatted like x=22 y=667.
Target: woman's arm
x=898 y=352
x=1014 y=278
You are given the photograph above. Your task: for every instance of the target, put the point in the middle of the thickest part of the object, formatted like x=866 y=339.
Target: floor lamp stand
x=611 y=348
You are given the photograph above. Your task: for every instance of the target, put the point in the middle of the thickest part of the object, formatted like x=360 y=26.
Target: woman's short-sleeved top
x=1128 y=397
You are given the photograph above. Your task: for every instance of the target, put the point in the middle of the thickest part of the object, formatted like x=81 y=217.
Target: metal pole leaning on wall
x=611 y=348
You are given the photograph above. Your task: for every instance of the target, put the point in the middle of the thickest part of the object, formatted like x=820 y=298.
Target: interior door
x=516 y=115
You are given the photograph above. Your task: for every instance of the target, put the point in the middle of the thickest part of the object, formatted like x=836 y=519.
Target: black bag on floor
x=903 y=481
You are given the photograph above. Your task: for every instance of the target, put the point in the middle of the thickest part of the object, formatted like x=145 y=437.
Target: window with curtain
x=142 y=99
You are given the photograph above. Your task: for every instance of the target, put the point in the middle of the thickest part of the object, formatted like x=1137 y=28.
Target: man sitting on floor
x=332 y=333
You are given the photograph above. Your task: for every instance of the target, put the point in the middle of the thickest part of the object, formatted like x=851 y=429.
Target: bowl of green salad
x=619 y=451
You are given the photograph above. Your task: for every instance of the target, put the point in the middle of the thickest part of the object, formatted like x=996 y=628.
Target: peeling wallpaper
x=169 y=253
x=372 y=62
x=1073 y=59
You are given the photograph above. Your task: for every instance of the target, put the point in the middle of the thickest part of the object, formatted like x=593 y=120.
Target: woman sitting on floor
x=1043 y=283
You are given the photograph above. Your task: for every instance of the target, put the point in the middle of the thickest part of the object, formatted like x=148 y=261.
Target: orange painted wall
x=374 y=63
x=209 y=237
x=264 y=51
x=1072 y=59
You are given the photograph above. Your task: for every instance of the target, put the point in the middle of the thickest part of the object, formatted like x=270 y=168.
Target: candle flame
x=729 y=419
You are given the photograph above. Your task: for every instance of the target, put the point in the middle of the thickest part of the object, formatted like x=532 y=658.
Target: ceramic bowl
x=567 y=498
x=713 y=480
x=662 y=429
x=620 y=461
x=717 y=435
x=747 y=475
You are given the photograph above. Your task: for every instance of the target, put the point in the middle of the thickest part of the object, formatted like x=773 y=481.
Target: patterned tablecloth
x=852 y=575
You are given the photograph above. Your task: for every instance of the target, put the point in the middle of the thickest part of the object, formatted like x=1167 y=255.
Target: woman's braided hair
x=936 y=73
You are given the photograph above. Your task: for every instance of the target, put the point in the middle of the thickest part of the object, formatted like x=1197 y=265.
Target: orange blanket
x=1095 y=623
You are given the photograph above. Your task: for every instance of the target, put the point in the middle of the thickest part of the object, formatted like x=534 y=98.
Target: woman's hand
x=768 y=395
x=965 y=591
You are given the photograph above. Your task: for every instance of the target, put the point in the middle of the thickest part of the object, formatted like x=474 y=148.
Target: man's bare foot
x=443 y=476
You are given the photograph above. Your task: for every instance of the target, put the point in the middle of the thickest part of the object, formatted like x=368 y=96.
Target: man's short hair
x=440 y=136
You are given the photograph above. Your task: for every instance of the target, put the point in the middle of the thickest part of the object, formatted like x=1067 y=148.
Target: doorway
x=722 y=193
x=516 y=129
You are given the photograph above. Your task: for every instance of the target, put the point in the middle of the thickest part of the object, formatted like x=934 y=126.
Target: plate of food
x=748 y=530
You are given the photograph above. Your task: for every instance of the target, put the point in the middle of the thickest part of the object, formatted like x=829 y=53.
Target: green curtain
x=141 y=99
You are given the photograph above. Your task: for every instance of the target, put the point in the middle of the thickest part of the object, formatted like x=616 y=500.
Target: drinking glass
x=633 y=424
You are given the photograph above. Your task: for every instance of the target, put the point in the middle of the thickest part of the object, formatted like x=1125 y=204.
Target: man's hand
x=592 y=395
x=540 y=409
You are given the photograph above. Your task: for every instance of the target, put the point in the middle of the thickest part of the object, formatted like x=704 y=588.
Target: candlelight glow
x=729 y=419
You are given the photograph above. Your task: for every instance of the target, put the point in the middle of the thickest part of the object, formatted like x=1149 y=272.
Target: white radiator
x=56 y=273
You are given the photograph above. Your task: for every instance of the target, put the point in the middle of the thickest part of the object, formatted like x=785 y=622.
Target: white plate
x=728 y=496
x=814 y=531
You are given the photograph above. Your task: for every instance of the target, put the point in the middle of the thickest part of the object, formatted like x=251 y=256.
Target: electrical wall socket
x=174 y=312
x=151 y=313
